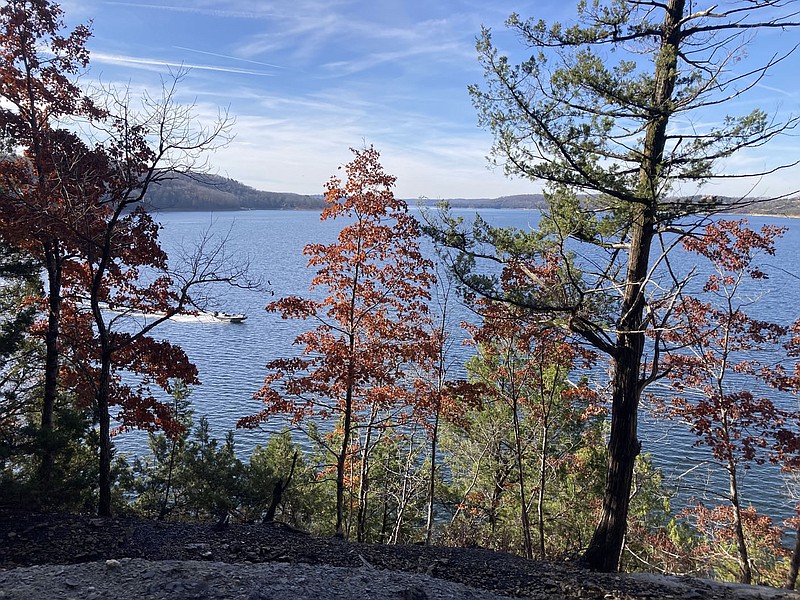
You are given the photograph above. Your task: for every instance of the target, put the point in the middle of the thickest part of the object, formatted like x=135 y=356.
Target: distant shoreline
x=462 y=207
x=212 y=193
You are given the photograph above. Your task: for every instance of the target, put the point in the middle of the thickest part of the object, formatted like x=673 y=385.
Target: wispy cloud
x=154 y=63
x=211 y=12
x=364 y=63
x=307 y=34
x=308 y=79
x=777 y=90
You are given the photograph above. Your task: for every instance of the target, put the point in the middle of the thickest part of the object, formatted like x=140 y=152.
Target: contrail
x=254 y=62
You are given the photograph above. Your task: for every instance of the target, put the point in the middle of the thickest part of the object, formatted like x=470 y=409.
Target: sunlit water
x=231 y=356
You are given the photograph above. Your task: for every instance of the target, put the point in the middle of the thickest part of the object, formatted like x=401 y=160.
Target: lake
x=231 y=357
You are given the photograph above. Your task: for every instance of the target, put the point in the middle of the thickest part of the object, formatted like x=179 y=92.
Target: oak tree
x=123 y=266
x=714 y=360
x=39 y=63
x=76 y=203
x=369 y=317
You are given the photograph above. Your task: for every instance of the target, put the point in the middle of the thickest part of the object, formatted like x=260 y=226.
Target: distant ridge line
x=204 y=192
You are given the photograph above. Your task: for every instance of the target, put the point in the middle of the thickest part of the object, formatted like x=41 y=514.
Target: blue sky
x=307 y=79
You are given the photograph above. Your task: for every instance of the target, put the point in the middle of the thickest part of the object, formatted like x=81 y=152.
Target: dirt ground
x=28 y=539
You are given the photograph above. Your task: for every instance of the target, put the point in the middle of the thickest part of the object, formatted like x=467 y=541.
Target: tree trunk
x=432 y=477
x=363 y=488
x=341 y=460
x=384 y=514
x=168 y=486
x=542 y=478
x=605 y=548
x=406 y=492
x=51 y=372
x=523 y=514
x=745 y=573
x=104 y=505
x=277 y=491
x=794 y=565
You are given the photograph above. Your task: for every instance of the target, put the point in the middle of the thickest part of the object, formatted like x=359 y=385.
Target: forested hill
x=784 y=207
x=212 y=192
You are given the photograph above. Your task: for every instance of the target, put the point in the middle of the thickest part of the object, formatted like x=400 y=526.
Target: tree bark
x=341 y=460
x=104 y=504
x=542 y=480
x=363 y=488
x=745 y=573
x=51 y=371
x=605 y=548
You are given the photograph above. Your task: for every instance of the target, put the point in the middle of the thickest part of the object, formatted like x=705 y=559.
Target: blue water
x=231 y=357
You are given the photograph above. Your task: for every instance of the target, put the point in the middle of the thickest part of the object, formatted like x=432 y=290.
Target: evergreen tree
x=594 y=110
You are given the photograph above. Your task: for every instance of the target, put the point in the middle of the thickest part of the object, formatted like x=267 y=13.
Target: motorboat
x=228 y=317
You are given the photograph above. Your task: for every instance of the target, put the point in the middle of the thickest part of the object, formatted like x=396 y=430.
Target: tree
x=123 y=264
x=369 y=321
x=716 y=554
x=711 y=358
x=594 y=112
x=158 y=481
x=76 y=203
x=788 y=451
x=19 y=355
x=437 y=397
x=524 y=363
x=37 y=63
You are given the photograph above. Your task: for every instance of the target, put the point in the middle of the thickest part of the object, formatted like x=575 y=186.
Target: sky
x=306 y=80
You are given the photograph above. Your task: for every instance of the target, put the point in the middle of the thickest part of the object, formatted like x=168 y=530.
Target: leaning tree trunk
x=794 y=564
x=745 y=573
x=605 y=548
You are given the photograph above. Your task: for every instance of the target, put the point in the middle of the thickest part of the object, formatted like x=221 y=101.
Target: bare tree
x=124 y=263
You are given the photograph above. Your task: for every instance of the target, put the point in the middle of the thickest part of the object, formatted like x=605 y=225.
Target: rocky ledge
x=61 y=556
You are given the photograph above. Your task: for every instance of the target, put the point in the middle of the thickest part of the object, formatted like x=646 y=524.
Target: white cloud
x=160 y=65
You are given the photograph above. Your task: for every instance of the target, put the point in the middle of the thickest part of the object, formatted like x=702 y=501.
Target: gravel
x=136 y=578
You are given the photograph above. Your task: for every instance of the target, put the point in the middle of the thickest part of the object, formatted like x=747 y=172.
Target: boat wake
x=193 y=317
